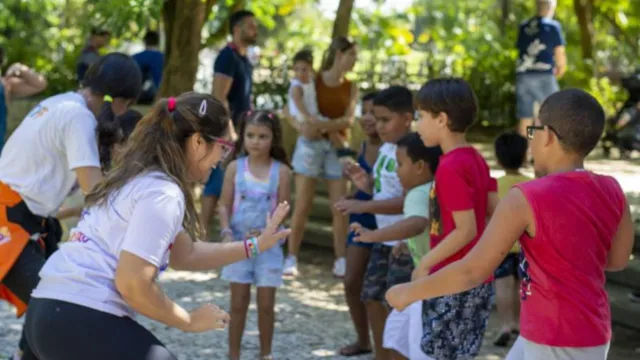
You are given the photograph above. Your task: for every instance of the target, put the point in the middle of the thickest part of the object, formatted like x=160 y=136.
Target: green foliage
x=432 y=38
x=44 y=34
x=126 y=19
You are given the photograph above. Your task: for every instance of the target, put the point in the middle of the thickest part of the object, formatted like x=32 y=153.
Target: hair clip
x=108 y=98
x=249 y=113
x=203 y=108
x=171 y=104
x=270 y=115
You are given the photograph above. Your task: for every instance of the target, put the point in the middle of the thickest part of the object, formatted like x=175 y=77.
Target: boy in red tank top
x=460 y=202
x=570 y=221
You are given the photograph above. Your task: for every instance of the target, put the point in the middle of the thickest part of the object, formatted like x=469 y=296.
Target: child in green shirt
x=416 y=168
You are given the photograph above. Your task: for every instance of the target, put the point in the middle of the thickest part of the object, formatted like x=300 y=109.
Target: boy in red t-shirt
x=573 y=226
x=463 y=190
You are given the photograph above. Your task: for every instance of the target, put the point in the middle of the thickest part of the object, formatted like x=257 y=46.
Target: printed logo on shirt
x=525 y=284
x=38 y=111
x=5 y=235
x=387 y=164
x=165 y=262
x=434 y=212
x=77 y=236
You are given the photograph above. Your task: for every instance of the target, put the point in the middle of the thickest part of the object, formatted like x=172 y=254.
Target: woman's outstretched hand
x=272 y=234
x=207 y=317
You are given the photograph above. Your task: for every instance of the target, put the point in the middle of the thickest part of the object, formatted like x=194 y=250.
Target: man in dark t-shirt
x=232 y=84
x=541 y=60
x=232 y=70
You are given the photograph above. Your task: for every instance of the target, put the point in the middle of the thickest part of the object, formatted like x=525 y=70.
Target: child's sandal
x=503 y=339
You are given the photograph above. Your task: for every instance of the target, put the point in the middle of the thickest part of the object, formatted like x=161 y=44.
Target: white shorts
x=524 y=349
x=403 y=332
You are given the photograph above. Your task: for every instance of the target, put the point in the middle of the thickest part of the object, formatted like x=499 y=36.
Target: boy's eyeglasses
x=532 y=129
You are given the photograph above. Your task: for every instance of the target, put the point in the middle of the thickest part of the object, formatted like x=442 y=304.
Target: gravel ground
x=312 y=318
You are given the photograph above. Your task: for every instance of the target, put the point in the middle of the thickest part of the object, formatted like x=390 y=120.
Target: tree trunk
x=584 y=12
x=183 y=27
x=168 y=17
x=504 y=16
x=343 y=18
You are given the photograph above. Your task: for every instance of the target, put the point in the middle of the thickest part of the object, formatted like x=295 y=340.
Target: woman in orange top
x=315 y=157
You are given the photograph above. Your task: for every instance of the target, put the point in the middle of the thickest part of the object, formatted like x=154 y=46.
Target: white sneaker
x=340 y=267
x=290 y=266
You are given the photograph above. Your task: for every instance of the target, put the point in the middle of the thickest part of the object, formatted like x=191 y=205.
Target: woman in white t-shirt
x=138 y=221
x=52 y=152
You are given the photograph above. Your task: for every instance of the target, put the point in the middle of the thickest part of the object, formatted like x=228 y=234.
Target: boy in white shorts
x=417 y=165
x=570 y=221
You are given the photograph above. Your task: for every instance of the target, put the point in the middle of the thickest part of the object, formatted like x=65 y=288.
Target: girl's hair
x=158 y=144
x=122 y=128
x=269 y=119
x=128 y=122
x=114 y=75
x=341 y=44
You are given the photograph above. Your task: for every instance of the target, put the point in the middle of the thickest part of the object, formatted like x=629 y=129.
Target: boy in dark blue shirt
x=151 y=62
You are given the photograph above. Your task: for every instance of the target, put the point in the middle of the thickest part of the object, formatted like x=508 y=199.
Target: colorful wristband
x=252 y=247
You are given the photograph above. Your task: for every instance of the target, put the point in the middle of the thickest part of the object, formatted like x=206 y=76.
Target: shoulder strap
x=241 y=166
x=274 y=177
x=239 y=186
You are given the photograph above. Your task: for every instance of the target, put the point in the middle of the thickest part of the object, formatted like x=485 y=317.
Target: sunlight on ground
x=323 y=352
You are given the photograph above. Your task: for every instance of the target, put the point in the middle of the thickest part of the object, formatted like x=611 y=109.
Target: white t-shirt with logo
x=309 y=99
x=142 y=218
x=56 y=137
x=386 y=184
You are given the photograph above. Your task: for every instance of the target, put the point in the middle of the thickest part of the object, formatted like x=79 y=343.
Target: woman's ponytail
x=108 y=132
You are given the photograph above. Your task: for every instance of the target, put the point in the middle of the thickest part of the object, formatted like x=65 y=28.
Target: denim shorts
x=366 y=220
x=214 y=184
x=262 y=271
x=532 y=88
x=316 y=159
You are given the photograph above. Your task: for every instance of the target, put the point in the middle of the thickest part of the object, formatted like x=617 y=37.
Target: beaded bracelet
x=225 y=231
x=246 y=249
x=251 y=248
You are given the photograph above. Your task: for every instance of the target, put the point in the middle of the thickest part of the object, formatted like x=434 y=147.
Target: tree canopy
x=474 y=39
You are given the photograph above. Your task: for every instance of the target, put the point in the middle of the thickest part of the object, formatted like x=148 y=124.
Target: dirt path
x=312 y=318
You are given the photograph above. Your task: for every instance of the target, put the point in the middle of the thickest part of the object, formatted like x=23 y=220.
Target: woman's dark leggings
x=58 y=330
x=23 y=277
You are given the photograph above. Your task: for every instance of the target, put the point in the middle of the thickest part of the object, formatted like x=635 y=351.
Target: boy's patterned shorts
x=454 y=325
x=384 y=271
